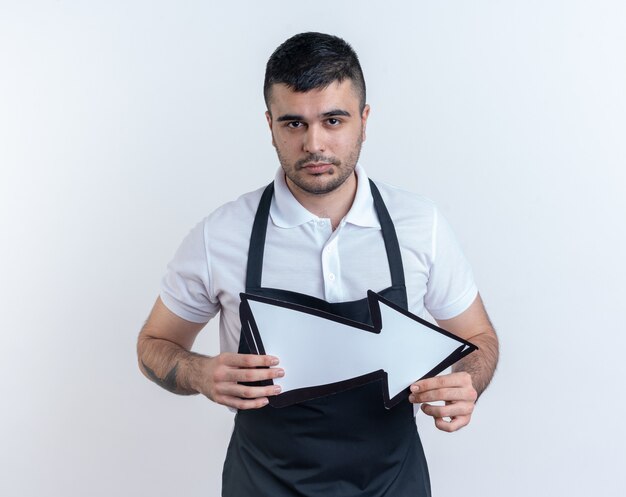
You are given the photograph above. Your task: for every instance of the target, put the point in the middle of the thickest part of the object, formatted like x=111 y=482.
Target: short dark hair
x=310 y=61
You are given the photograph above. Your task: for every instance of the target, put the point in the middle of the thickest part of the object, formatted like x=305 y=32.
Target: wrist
x=197 y=371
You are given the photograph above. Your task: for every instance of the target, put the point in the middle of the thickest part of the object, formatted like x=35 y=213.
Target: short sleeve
x=451 y=288
x=185 y=288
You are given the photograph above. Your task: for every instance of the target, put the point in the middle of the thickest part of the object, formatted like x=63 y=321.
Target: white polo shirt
x=303 y=254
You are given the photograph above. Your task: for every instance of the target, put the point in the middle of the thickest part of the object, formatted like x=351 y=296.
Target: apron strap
x=391 y=238
x=256 y=248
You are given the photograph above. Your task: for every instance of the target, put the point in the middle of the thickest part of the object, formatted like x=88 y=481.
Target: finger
x=247 y=392
x=453 y=380
x=449 y=410
x=248 y=360
x=243 y=404
x=235 y=375
x=454 y=424
x=445 y=394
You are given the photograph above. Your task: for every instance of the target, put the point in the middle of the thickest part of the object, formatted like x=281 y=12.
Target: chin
x=320 y=187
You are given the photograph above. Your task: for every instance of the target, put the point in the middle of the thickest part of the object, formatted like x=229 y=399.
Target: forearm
x=169 y=365
x=481 y=364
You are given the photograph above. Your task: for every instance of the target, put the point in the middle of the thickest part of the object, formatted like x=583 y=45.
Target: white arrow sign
x=322 y=353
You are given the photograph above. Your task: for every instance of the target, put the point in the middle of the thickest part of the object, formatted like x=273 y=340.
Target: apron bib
x=346 y=444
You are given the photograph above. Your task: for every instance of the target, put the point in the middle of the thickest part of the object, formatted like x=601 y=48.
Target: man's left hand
x=458 y=393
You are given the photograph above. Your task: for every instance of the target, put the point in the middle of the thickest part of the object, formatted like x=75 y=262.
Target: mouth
x=317 y=167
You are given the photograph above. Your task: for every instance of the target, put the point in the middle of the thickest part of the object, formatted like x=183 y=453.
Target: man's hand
x=219 y=377
x=458 y=393
x=165 y=357
x=470 y=376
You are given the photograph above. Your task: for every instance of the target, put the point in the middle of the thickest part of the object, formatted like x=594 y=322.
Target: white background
x=123 y=123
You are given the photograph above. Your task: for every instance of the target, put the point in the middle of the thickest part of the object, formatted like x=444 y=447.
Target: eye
x=333 y=121
x=295 y=124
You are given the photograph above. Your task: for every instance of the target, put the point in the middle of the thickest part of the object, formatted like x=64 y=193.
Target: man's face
x=317 y=135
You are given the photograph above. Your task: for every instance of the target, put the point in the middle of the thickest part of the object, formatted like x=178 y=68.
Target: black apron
x=343 y=445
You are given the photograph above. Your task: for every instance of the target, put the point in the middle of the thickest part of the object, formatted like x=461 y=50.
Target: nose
x=314 y=140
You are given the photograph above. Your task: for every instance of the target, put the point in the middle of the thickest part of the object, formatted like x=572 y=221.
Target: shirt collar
x=363 y=213
x=287 y=212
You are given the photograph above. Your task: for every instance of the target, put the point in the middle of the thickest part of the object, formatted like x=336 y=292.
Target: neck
x=333 y=205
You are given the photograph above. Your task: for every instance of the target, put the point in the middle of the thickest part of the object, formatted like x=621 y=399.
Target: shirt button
x=331 y=276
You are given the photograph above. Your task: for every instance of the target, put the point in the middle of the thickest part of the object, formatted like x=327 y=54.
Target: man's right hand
x=165 y=357
x=219 y=378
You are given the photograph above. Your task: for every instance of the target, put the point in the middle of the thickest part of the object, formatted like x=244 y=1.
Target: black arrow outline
x=250 y=332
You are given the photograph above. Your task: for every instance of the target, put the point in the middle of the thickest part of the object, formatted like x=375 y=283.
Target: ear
x=364 y=115
x=268 y=117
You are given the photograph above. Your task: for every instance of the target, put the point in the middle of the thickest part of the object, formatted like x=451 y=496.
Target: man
x=321 y=235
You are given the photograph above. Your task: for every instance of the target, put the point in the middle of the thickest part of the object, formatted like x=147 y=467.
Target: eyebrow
x=297 y=117
x=336 y=112
x=290 y=117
